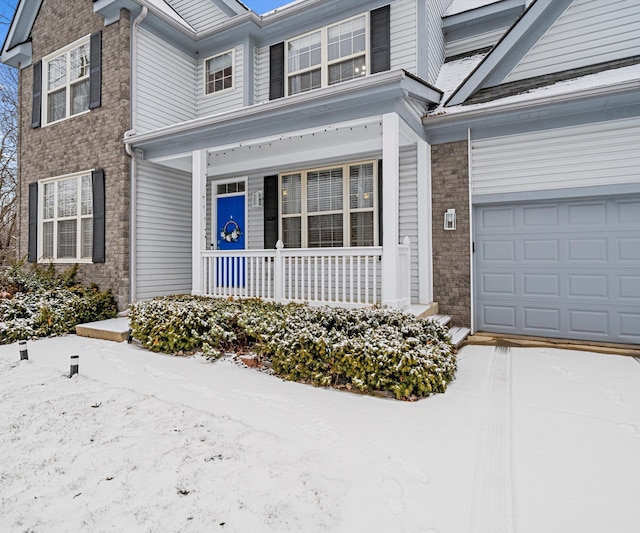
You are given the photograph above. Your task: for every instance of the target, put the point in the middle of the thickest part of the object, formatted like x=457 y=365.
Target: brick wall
x=451 y=258
x=84 y=142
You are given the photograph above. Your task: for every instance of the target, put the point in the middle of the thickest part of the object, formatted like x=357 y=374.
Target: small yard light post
x=24 y=354
x=75 y=362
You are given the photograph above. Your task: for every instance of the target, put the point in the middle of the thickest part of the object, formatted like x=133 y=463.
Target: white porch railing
x=338 y=276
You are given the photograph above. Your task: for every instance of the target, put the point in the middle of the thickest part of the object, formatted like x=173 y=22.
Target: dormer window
x=327 y=56
x=66 y=82
x=219 y=73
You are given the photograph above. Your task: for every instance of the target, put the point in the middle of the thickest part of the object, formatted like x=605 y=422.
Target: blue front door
x=230 y=223
x=230 y=235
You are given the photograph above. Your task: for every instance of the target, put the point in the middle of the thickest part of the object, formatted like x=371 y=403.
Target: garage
x=556 y=231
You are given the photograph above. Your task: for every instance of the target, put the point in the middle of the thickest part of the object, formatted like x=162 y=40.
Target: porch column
x=425 y=240
x=389 y=199
x=198 y=217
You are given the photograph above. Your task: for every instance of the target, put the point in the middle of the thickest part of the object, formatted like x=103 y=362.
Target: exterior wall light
x=450 y=219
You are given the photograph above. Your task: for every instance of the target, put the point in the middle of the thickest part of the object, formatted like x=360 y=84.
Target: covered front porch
x=336 y=212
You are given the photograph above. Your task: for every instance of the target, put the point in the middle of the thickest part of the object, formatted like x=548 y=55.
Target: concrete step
x=443 y=320
x=113 y=329
x=458 y=335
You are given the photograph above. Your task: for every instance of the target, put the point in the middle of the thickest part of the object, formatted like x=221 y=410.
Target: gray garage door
x=567 y=269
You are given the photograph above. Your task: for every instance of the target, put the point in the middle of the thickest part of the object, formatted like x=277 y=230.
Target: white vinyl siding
x=166 y=79
x=587 y=33
x=579 y=156
x=474 y=42
x=408 y=209
x=435 y=38
x=403 y=35
x=162 y=231
x=202 y=15
x=255 y=214
x=209 y=104
x=261 y=75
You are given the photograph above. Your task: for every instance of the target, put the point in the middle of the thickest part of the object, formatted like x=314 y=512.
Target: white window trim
x=214 y=207
x=77 y=259
x=324 y=52
x=346 y=211
x=45 y=79
x=232 y=51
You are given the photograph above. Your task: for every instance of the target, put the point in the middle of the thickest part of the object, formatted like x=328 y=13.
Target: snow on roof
x=591 y=81
x=460 y=6
x=161 y=7
x=453 y=73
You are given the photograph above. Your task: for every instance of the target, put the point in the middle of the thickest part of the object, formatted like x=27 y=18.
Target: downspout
x=133 y=99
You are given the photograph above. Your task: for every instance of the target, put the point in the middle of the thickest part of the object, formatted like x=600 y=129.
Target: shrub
x=369 y=349
x=40 y=303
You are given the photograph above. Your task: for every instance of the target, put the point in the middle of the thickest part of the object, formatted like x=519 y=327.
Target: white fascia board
x=18 y=56
x=513 y=45
x=18 y=35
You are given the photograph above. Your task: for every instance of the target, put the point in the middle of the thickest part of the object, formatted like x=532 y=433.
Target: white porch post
x=198 y=216
x=389 y=198
x=425 y=241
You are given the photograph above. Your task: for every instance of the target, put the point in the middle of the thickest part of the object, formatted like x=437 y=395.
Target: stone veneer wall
x=451 y=257
x=84 y=142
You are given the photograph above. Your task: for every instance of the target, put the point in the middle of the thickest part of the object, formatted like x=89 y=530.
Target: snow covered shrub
x=43 y=304
x=369 y=349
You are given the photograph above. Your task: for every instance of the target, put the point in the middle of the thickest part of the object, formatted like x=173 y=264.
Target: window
x=329 y=207
x=66 y=82
x=219 y=73
x=66 y=218
x=328 y=56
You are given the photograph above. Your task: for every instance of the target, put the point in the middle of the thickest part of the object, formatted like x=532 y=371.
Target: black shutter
x=380 y=29
x=276 y=71
x=97 y=179
x=36 y=105
x=95 y=71
x=270 y=212
x=33 y=222
x=380 y=202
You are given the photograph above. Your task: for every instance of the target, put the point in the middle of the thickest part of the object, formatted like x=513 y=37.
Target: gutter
x=127 y=147
x=477 y=110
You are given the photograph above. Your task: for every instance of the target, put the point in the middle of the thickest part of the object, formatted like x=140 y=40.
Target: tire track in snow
x=492 y=508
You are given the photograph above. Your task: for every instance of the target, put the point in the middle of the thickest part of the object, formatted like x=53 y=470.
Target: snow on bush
x=366 y=350
x=40 y=303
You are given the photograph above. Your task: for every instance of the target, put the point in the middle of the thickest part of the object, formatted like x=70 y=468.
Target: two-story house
x=339 y=151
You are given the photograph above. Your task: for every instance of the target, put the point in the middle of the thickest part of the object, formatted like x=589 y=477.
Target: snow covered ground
x=526 y=440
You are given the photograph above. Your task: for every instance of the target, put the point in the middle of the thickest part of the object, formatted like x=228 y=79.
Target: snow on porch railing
x=341 y=276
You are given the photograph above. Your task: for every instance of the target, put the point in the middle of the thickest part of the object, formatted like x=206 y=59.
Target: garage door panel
x=500 y=218
x=628 y=249
x=588 y=321
x=579 y=279
x=585 y=286
x=542 y=320
x=500 y=316
x=540 y=285
x=540 y=216
x=587 y=250
x=541 y=250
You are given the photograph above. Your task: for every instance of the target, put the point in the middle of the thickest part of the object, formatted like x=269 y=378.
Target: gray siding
x=587 y=33
x=211 y=104
x=408 y=206
x=166 y=79
x=202 y=15
x=403 y=35
x=162 y=231
x=474 y=42
x=579 y=156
